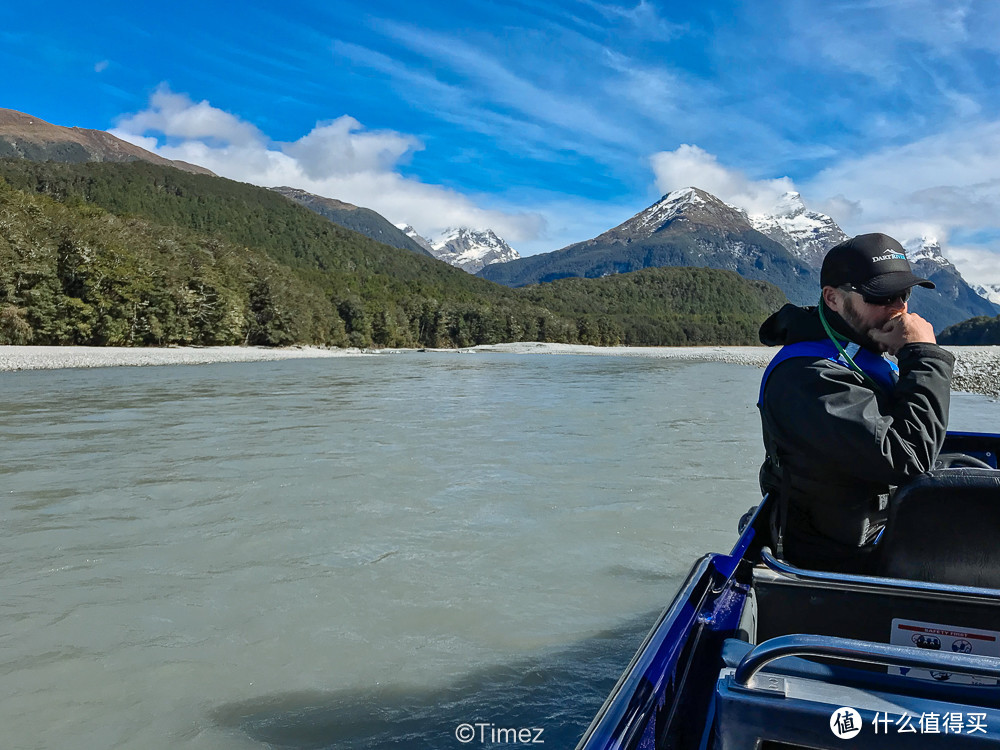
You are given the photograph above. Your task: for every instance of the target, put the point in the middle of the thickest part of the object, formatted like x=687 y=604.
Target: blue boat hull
x=725 y=667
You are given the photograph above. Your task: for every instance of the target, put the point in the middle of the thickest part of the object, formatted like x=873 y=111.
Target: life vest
x=881 y=370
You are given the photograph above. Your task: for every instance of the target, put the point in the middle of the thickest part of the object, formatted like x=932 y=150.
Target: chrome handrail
x=849 y=649
x=881 y=583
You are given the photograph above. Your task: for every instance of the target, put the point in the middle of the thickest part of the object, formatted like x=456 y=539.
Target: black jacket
x=839 y=444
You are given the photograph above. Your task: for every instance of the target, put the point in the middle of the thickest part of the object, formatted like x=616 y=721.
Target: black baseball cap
x=874 y=264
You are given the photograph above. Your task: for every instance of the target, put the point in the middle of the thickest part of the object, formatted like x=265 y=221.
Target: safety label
x=948 y=639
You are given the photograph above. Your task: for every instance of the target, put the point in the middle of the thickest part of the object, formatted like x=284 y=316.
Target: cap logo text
x=888 y=255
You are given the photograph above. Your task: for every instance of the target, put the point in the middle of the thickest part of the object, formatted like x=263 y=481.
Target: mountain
x=472 y=249
x=140 y=254
x=990 y=292
x=26 y=137
x=361 y=220
x=952 y=300
x=687 y=227
x=137 y=254
x=807 y=234
x=412 y=234
x=690 y=227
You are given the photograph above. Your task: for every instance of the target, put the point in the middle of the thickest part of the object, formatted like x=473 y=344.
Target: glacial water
x=358 y=552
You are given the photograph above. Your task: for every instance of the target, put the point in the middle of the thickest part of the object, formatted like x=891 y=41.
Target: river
x=354 y=552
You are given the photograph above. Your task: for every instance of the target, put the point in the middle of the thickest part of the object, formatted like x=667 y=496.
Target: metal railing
x=875 y=582
x=849 y=649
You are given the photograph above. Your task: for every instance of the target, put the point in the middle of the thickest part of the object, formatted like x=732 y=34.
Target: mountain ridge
x=137 y=254
x=472 y=249
x=356 y=218
x=989 y=292
x=691 y=227
x=808 y=234
x=28 y=137
x=686 y=227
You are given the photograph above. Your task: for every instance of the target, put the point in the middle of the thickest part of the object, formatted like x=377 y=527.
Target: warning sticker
x=948 y=638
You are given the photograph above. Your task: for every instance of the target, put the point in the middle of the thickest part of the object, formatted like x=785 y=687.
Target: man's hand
x=905 y=328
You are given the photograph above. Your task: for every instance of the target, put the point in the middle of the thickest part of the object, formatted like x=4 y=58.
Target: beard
x=862 y=331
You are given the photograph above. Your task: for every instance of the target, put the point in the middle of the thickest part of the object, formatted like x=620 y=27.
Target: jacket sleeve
x=826 y=415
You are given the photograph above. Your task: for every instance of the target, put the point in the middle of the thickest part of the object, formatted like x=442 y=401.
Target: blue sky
x=550 y=121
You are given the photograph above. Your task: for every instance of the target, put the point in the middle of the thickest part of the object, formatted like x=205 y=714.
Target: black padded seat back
x=944 y=527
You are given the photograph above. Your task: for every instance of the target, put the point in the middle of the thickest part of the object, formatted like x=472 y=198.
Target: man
x=841 y=426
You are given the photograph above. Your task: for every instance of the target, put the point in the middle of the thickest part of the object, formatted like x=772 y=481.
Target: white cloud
x=337 y=159
x=691 y=166
x=101 y=66
x=494 y=80
x=939 y=186
x=977 y=265
x=176 y=116
x=942 y=185
x=949 y=178
x=342 y=147
x=644 y=19
x=853 y=36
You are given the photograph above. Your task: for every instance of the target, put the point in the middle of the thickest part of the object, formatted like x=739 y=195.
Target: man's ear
x=833 y=298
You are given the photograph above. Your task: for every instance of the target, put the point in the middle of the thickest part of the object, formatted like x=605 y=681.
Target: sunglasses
x=883 y=301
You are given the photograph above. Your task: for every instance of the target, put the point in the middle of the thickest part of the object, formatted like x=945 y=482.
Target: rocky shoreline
x=63 y=357
x=977 y=368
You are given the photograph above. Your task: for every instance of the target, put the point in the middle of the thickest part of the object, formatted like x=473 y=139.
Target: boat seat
x=790 y=703
x=943 y=527
x=859 y=607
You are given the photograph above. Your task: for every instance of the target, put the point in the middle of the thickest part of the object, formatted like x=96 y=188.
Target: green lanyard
x=840 y=348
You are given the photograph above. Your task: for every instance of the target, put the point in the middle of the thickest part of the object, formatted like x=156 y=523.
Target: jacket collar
x=792 y=324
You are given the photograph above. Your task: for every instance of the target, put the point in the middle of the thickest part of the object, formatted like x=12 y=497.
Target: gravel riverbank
x=61 y=357
x=977 y=369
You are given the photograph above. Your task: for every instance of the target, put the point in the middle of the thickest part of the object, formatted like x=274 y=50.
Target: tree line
x=979 y=331
x=139 y=255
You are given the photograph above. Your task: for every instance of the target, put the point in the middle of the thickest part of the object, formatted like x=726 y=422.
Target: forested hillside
x=663 y=306
x=979 y=331
x=75 y=274
x=138 y=254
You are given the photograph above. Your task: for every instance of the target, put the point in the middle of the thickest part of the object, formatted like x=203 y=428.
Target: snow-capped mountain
x=953 y=299
x=989 y=292
x=690 y=227
x=469 y=249
x=689 y=205
x=686 y=227
x=413 y=235
x=472 y=249
x=806 y=234
x=926 y=249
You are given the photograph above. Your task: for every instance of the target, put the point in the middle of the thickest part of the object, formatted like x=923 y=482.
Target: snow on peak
x=789 y=205
x=471 y=249
x=806 y=234
x=925 y=248
x=413 y=235
x=668 y=207
x=989 y=292
x=687 y=203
